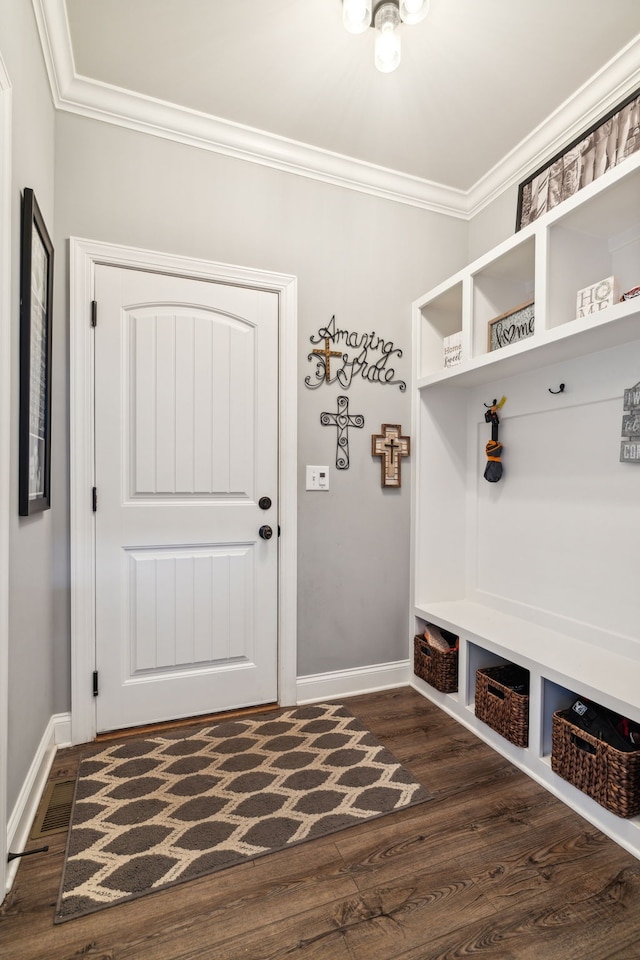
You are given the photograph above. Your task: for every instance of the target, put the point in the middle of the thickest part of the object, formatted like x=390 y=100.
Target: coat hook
x=560 y=390
x=492 y=404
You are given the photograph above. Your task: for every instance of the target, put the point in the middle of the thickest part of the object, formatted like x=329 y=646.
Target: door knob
x=265 y=532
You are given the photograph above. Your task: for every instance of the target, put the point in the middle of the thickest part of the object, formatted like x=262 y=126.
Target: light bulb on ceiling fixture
x=413 y=11
x=356 y=15
x=387 y=49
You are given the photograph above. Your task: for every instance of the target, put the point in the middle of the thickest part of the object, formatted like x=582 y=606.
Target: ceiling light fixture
x=386 y=17
x=356 y=15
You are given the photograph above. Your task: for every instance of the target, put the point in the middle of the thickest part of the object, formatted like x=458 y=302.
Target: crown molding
x=100 y=101
x=609 y=86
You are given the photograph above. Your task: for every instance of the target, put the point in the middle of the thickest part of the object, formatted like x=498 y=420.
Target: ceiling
x=486 y=91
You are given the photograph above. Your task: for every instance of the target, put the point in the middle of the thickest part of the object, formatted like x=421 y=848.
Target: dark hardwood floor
x=493 y=866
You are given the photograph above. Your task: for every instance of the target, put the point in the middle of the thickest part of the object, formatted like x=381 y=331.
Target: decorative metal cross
x=390 y=446
x=342 y=420
x=327 y=354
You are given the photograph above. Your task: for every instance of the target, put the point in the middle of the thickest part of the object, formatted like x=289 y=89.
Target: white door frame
x=6 y=411
x=84 y=255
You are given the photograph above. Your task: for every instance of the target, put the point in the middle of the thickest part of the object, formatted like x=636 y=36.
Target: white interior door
x=186 y=428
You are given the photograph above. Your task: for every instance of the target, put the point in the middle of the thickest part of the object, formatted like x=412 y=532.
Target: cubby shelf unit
x=539 y=569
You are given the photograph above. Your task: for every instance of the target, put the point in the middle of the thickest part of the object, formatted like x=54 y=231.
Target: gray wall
x=31 y=539
x=493 y=224
x=361 y=258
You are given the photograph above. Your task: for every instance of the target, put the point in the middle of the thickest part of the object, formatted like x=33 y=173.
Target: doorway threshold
x=168 y=725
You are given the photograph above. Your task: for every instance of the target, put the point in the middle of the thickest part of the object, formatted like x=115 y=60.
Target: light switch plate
x=317 y=478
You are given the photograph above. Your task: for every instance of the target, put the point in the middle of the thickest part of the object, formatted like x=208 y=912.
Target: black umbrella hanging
x=493 y=448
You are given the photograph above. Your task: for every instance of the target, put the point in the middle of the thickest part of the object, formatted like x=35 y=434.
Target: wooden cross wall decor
x=342 y=420
x=391 y=446
x=326 y=355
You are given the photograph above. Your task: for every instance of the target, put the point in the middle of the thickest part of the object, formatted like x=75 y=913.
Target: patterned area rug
x=153 y=812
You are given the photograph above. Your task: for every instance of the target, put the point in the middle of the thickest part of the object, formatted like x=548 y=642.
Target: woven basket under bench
x=610 y=777
x=435 y=667
x=501 y=707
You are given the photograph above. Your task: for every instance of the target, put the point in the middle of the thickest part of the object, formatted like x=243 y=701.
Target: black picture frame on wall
x=606 y=143
x=36 y=300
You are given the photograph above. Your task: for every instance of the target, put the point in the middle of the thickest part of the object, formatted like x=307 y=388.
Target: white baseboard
x=56 y=734
x=350 y=683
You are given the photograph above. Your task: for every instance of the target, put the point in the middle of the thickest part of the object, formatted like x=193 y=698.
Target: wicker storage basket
x=610 y=777
x=499 y=706
x=437 y=668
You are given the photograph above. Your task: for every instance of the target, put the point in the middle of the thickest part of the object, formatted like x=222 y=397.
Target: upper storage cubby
x=596 y=239
x=441 y=318
x=501 y=286
x=588 y=238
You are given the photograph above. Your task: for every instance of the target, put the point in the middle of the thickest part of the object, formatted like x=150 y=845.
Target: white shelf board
x=571 y=662
x=618 y=324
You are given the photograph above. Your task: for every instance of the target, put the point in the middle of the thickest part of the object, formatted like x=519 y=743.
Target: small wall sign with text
x=510 y=327
x=364 y=355
x=630 y=445
x=595 y=298
x=452 y=349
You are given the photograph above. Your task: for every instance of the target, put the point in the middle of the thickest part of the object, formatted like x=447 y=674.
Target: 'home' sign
x=595 y=298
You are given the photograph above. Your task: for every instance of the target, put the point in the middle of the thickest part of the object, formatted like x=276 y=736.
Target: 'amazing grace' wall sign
x=369 y=358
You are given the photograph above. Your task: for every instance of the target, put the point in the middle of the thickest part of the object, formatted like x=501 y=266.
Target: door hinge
x=95 y=683
x=94 y=498
x=94 y=313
